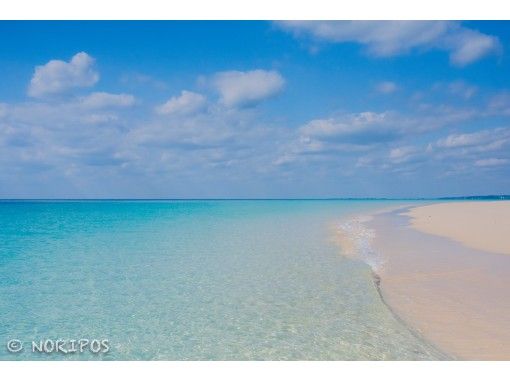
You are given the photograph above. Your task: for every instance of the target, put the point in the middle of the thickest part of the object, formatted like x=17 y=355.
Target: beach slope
x=446 y=273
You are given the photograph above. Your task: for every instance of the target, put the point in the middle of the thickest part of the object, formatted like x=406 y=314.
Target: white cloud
x=356 y=128
x=66 y=117
x=462 y=89
x=367 y=128
x=62 y=136
x=500 y=103
x=491 y=162
x=241 y=88
x=454 y=154
x=389 y=38
x=464 y=140
x=58 y=76
x=139 y=79
x=382 y=38
x=99 y=119
x=187 y=102
x=73 y=133
x=402 y=154
x=105 y=99
x=386 y=87
x=354 y=133
x=346 y=133
x=467 y=46
x=473 y=145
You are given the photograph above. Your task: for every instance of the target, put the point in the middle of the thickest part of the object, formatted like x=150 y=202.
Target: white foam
x=356 y=241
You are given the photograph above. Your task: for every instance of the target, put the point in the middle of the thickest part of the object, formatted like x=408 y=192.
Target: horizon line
x=473 y=197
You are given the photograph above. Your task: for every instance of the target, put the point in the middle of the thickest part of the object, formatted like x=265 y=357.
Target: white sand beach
x=446 y=274
x=479 y=225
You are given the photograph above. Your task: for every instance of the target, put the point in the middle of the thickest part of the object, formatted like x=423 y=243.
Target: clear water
x=206 y=280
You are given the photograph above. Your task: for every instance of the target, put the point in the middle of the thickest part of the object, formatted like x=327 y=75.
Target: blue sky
x=254 y=109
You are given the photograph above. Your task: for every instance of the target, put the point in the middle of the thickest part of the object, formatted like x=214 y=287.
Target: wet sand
x=453 y=294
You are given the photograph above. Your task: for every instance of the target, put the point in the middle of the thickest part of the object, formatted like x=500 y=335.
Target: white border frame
x=255 y=10
x=255 y=370
x=259 y=9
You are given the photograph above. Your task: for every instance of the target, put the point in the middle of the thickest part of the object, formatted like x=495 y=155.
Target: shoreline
x=445 y=291
x=348 y=244
x=377 y=283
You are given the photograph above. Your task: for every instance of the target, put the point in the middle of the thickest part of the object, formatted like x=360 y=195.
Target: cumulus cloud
x=454 y=154
x=460 y=151
x=343 y=134
x=382 y=38
x=58 y=76
x=386 y=87
x=389 y=38
x=351 y=134
x=105 y=100
x=361 y=128
x=467 y=45
x=366 y=128
x=472 y=144
x=201 y=141
x=61 y=136
x=402 y=159
x=187 y=102
x=243 y=88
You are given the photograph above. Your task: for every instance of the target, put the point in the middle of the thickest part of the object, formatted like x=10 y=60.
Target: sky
x=294 y=109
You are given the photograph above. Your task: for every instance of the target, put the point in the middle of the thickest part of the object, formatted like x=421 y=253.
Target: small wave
x=356 y=239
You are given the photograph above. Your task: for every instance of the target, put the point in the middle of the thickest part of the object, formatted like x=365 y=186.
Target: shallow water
x=193 y=280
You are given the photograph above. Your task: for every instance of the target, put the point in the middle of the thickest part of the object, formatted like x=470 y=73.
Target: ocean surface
x=193 y=280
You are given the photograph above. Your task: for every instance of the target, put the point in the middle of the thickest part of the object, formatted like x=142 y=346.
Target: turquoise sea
x=193 y=280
